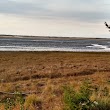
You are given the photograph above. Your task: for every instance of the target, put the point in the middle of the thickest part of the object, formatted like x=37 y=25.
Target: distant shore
x=47 y=37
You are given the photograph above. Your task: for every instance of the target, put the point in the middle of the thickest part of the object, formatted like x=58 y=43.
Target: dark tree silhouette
x=107 y=25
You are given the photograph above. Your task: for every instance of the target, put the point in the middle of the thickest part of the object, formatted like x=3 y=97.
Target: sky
x=63 y=18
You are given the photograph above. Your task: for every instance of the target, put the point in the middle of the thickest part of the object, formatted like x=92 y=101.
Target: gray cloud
x=83 y=10
x=18 y=8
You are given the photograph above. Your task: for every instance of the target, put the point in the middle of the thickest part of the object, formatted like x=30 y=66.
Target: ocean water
x=34 y=44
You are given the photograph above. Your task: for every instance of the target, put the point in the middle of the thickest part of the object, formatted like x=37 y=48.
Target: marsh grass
x=86 y=98
x=19 y=102
x=33 y=103
x=60 y=68
x=10 y=102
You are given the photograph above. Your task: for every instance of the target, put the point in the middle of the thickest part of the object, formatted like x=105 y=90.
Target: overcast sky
x=68 y=18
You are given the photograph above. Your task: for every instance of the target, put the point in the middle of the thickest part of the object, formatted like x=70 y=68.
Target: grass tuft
x=86 y=98
x=33 y=102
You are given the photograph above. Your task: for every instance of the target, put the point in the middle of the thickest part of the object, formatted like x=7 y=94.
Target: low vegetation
x=87 y=98
x=19 y=102
x=54 y=81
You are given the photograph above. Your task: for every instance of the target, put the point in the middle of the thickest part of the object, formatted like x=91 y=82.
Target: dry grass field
x=43 y=74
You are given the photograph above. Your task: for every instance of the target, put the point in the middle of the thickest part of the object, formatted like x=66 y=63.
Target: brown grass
x=44 y=73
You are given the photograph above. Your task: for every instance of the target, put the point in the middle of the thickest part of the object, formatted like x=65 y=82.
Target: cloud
x=83 y=10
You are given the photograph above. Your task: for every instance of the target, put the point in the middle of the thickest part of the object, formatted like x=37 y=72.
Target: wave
x=97 y=46
x=21 y=48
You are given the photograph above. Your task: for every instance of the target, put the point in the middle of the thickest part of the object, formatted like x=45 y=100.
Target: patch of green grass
x=11 y=102
x=81 y=99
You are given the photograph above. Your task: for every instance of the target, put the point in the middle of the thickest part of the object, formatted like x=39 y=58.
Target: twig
x=15 y=93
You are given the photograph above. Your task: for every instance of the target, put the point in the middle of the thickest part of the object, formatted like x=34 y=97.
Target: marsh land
x=45 y=73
